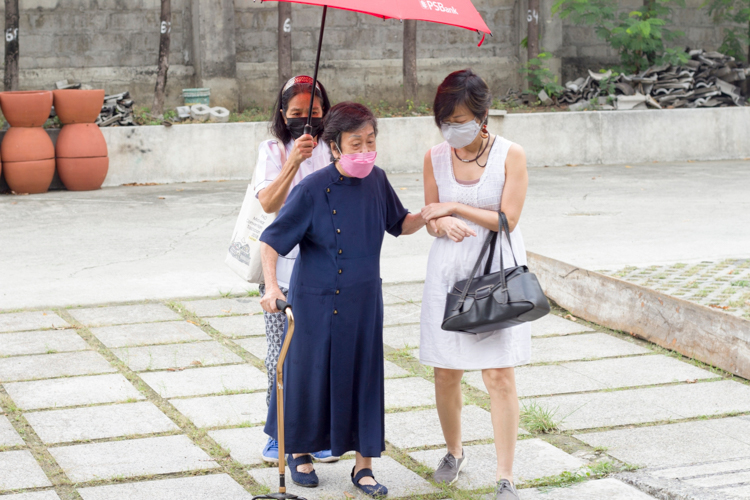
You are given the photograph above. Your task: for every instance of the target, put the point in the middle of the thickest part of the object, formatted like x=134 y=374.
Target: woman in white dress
x=467 y=179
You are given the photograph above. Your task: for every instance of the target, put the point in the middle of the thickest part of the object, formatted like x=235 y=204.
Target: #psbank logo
x=438 y=7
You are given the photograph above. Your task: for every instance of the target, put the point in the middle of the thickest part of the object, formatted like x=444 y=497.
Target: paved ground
x=723 y=285
x=126 y=375
x=158 y=242
x=166 y=400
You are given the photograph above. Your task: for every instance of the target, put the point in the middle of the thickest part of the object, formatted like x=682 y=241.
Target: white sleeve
x=268 y=167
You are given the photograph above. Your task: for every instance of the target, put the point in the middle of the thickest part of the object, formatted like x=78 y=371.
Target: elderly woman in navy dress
x=334 y=394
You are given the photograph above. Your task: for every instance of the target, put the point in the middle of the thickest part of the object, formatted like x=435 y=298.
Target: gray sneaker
x=505 y=491
x=448 y=468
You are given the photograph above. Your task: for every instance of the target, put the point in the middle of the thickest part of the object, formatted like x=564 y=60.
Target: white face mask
x=460 y=135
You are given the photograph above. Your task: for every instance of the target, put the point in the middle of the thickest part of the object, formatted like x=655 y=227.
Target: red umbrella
x=460 y=13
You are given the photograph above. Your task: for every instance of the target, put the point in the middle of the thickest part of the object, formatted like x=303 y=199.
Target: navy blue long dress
x=333 y=373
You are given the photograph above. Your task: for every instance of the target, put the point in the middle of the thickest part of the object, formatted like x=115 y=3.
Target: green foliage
x=736 y=39
x=253 y=113
x=596 y=470
x=607 y=85
x=537 y=419
x=385 y=109
x=540 y=77
x=637 y=36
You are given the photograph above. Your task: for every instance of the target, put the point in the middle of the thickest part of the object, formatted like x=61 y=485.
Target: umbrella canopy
x=460 y=13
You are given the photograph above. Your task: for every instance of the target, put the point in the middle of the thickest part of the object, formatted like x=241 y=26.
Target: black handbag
x=503 y=299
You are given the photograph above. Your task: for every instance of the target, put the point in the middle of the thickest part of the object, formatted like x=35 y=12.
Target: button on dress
x=333 y=373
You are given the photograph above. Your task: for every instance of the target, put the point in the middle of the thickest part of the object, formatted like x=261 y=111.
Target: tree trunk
x=165 y=28
x=532 y=34
x=411 y=84
x=11 y=45
x=285 y=42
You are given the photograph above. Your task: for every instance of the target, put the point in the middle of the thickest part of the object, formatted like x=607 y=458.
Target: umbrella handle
x=308 y=127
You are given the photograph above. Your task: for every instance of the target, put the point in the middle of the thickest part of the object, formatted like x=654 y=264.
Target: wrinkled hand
x=302 y=149
x=268 y=302
x=436 y=210
x=455 y=229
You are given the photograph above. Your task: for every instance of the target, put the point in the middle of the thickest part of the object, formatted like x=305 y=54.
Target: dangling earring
x=485 y=134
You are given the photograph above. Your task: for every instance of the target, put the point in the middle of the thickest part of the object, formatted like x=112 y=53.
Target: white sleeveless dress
x=450 y=262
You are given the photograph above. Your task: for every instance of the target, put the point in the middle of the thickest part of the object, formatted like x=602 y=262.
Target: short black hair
x=278 y=126
x=462 y=87
x=346 y=117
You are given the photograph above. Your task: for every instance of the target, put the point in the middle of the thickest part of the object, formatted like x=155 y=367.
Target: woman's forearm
x=485 y=218
x=433 y=229
x=268 y=258
x=412 y=223
x=273 y=196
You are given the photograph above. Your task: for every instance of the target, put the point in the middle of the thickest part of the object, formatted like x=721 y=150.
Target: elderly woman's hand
x=454 y=229
x=268 y=302
x=437 y=210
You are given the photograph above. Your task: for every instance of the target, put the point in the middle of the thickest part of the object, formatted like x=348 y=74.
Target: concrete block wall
x=361 y=54
x=110 y=44
x=97 y=33
x=230 y=46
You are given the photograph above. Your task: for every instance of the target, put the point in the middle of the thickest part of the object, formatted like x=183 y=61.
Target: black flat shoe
x=375 y=491
x=306 y=480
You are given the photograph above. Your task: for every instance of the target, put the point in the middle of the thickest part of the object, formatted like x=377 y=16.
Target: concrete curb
x=693 y=330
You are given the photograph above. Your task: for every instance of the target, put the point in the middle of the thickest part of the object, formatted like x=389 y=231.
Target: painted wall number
x=11 y=34
x=288 y=25
x=166 y=27
x=532 y=15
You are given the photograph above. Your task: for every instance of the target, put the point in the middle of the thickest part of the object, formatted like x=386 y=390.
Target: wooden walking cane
x=282 y=494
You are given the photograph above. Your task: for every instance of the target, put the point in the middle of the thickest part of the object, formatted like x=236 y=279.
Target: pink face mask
x=358 y=164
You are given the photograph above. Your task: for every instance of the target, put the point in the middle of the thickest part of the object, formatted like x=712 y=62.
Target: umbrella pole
x=308 y=127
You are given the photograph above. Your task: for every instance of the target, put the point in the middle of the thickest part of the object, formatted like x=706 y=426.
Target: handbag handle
x=490 y=239
x=502 y=224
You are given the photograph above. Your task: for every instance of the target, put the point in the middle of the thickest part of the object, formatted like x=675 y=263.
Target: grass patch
x=596 y=470
x=538 y=420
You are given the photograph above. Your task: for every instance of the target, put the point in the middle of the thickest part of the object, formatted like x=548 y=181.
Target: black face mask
x=296 y=126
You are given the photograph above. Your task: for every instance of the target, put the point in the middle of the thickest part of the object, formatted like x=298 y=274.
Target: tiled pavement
x=723 y=285
x=167 y=400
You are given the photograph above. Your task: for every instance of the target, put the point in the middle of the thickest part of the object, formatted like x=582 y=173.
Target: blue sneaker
x=325 y=456
x=271 y=451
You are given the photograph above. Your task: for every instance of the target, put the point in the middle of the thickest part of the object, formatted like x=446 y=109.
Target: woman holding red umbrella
x=282 y=163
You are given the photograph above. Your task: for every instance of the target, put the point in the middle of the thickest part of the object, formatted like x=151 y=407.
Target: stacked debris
x=117 y=111
x=707 y=79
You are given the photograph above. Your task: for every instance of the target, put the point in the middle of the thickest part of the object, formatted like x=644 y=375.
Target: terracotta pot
x=31 y=177
x=26 y=144
x=26 y=108
x=82 y=174
x=82 y=140
x=78 y=106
